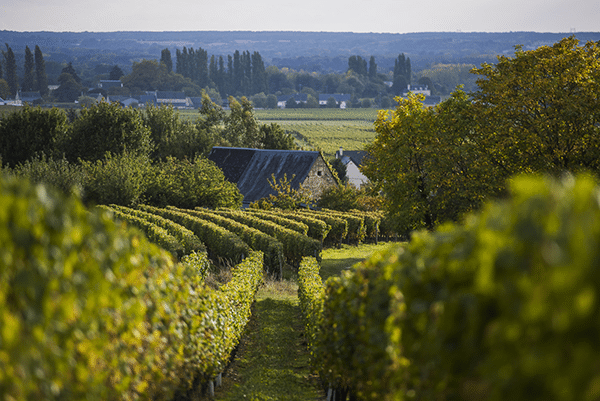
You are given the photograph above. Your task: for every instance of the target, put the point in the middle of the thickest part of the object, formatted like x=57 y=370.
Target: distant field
x=325 y=129
x=317 y=114
x=320 y=129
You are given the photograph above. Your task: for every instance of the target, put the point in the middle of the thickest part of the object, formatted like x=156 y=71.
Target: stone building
x=252 y=169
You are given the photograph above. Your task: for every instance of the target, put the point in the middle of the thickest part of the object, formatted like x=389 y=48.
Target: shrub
x=107 y=127
x=32 y=132
x=119 y=179
x=187 y=184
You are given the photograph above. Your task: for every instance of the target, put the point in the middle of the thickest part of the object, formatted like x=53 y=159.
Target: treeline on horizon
x=192 y=71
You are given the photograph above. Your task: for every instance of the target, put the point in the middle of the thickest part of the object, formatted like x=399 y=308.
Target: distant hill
x=312 y=51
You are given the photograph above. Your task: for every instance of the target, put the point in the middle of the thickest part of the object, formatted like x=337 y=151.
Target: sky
x=389 y=16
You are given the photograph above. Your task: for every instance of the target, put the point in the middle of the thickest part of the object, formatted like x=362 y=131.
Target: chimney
x=341 y=152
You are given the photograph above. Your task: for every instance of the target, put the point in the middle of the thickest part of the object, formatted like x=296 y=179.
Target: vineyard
x=504 y=307
x=89 y=308
x=488 y=310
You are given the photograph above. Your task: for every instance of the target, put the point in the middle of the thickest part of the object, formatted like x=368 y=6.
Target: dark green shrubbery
x=115 y=155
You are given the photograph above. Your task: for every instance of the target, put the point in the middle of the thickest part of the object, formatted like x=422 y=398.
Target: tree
x=11 y=70
x=41 y=79
x=397 y=162
x=372 y=68
x=115 y=73
x=32 y=132
x=358 y=65
x=259 y=74
x=540 y=110
x=241 y=127
x=402 y=74
x=188 y=183
x=108 y=128
x=536 y=112
x=285 y=197
x=271 y=101
x=69 y=89
x=272 y=136
x=4 y=89
x=165 y=58
x=28 y=74
x=331 y=103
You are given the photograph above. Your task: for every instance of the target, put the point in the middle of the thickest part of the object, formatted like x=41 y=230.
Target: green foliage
x=187 y=184
x=153 y=232
x=338 y=230
x=534 y=112
x=543 y=105
x=191 y=243
x=254 y=238
x=489 y=310
x=82 y=304
x=58 y=173
x=317 y=229
x=289 y=223
x=272 y=136
x=221 y=243
x=173 y=137
x=285 y=197
x=119 y=179
x=311 y=294
x=295 y=245
x=107 y=127
x=30 y=133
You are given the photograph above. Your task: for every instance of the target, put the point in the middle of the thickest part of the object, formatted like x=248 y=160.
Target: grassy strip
x=272 y=362
x=335 y=260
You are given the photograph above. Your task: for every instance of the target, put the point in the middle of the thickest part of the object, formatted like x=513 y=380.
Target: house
x=341 y=99
x=176 y=99
x=123 y=100
x=352 y=159
x=110 y=83
x=298 y=97
x=252 y=170
x=417 y=89
x=148 y=98
x=30 y=97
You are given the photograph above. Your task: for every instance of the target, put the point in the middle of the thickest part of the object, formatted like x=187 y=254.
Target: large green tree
x=536 y=112
x=41 y=79
x=10 y=74
x=107 y=127
x=29 y=71
x=32 y=132
x=540 y=110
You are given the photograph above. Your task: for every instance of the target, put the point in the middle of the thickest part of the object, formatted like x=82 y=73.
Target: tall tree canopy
x=10 y=75
x=41 y=79
x=540 y=110
x=29 y=73
x=536 y=112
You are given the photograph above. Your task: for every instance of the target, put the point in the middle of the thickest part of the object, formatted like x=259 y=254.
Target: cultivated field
x=325 y=129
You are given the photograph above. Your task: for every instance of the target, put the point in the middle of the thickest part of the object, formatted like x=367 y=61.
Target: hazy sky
x=396 y=16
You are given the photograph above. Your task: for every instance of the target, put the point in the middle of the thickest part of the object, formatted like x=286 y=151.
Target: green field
x=325 y=129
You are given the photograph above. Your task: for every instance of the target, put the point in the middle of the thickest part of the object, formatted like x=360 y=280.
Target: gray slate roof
x=252 y=169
